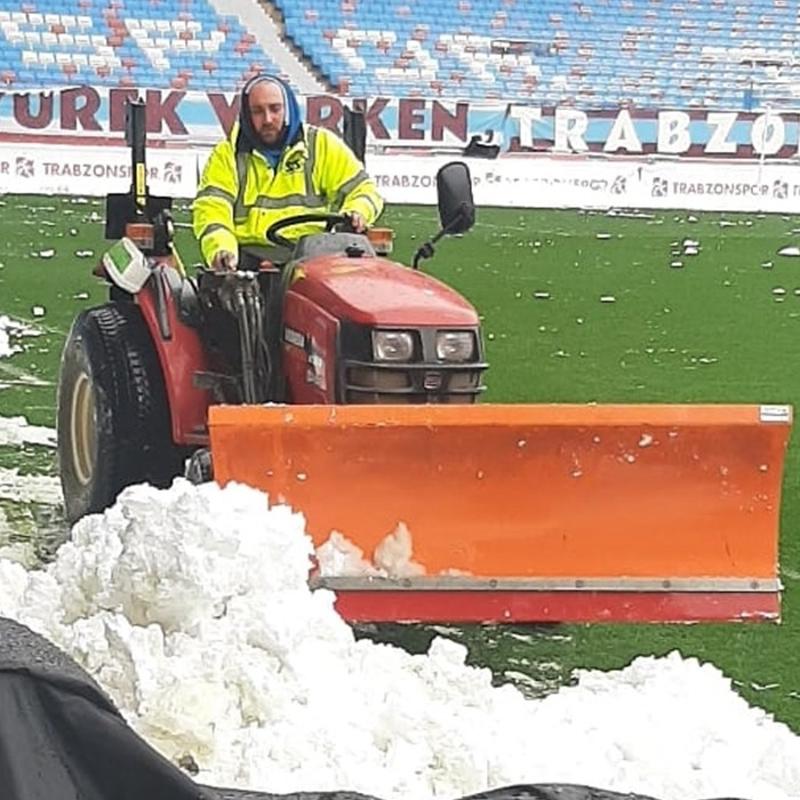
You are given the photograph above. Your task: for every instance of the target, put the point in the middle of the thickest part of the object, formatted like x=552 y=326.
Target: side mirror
x=454 y=190
x=456 y=207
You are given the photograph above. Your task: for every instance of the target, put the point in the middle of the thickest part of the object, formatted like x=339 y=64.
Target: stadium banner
x=515 y=181
x=587 y=182
x=70 y=170
x=179 y=118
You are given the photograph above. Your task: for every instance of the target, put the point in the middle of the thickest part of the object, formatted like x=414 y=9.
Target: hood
x=249 y=140
x=376 y=291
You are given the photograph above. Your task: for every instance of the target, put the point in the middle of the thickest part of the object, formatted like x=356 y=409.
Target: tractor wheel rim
x=82 y=429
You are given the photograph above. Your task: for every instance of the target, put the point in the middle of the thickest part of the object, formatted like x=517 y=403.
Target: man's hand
x=224 y=261
x=357 y=222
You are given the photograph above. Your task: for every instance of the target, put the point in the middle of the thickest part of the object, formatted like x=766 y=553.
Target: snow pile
x=191 y=607
x=393 y=557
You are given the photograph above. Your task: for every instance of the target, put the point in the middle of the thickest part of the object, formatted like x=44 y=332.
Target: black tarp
x=62 y=738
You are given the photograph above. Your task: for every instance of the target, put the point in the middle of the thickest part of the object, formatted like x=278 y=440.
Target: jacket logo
x=294 y=163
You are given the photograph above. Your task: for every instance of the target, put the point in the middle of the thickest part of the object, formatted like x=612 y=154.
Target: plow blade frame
x=530 y=513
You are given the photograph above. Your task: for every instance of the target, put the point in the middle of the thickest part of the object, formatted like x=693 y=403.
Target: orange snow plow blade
x=527 y=512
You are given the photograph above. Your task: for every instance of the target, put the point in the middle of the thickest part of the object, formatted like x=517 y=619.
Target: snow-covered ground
x=11 y=331
x=191 y=607
x=15 y=432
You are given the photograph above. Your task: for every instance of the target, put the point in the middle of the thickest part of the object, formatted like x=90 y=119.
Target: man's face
x=267 y=112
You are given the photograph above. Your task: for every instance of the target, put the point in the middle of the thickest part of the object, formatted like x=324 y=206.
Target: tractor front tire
x=113 y=419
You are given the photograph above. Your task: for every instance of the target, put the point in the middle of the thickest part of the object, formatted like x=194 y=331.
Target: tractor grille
x=423 y=378
x=412 y=383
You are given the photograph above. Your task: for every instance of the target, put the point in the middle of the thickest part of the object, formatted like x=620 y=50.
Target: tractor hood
x=375 y=291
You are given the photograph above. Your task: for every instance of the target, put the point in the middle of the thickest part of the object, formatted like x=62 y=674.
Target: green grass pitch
x=576 y=307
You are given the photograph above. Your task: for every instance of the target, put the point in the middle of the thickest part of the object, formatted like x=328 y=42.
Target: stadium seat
x=114 y=42
x=454 y=44
x=599 y=53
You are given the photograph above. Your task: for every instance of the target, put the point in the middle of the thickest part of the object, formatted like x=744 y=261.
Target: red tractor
x=344 y=385
x=337 y=323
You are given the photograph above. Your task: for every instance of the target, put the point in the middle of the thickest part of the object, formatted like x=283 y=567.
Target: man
x=271 y=167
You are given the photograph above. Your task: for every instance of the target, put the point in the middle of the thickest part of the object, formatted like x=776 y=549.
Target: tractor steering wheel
x=331 y=221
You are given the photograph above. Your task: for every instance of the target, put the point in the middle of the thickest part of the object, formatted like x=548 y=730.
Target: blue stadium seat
x=600 y=52
x=104 y=42
x=403 y=45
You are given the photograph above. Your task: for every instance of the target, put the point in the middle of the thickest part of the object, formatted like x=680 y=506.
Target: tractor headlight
x=455 y=345
x=392 y=345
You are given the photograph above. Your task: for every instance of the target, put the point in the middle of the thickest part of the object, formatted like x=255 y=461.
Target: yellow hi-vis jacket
x=241 y=195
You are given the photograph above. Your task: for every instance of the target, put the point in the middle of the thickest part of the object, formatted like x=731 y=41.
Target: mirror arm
x=427 y=250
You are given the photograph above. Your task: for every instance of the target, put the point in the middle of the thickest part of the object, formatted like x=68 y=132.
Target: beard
x=270 y=136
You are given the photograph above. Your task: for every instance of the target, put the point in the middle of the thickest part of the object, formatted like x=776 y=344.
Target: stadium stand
x=146 y=43
x=597 y=53
x=593 y=53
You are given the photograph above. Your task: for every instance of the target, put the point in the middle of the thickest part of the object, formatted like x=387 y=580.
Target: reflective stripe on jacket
x=241 y=195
